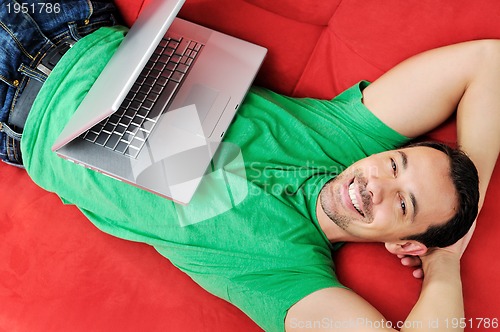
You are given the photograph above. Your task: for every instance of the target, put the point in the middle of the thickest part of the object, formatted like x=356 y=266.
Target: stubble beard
x=327 y=196
x=330 y=193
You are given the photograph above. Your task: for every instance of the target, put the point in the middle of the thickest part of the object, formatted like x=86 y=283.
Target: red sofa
x=59 y=273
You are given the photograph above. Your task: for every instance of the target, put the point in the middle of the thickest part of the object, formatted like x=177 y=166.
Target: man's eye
x=403 y=206
x=393 y=165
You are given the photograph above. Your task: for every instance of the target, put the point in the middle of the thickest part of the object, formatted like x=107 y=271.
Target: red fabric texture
x=59 y=273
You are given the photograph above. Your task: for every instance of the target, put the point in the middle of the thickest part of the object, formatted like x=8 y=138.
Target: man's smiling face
x=389 y=196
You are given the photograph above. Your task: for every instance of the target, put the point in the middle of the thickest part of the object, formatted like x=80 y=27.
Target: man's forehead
x=434 y=193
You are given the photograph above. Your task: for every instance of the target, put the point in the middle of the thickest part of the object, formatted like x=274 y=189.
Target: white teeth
x=352 y=195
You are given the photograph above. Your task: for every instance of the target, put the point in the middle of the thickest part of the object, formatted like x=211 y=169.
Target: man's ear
x=406 y=247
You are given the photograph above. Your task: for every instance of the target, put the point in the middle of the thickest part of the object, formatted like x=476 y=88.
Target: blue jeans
x=30 y=29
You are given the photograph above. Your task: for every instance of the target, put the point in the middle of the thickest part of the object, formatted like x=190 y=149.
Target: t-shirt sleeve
x=331 y=132
x=367 y=126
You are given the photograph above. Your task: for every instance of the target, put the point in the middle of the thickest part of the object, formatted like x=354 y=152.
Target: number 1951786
x=32 y=8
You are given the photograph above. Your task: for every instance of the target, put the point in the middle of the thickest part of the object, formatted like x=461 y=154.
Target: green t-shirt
x=250 y=234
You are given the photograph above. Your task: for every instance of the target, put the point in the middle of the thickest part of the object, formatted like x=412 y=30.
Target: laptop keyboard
x=127 y=129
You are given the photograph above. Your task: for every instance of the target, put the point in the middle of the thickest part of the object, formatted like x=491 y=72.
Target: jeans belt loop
x=4 y=128
x=25 y=101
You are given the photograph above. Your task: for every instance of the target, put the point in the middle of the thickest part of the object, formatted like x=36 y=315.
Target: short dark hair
x=464 y=175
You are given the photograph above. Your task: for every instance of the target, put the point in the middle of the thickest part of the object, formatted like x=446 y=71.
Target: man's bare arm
x=338 y=309
x=420 y=93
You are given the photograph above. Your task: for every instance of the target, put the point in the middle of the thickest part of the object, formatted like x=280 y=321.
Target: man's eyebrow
x=404 y=163
x=404 y=159
x=415 y=206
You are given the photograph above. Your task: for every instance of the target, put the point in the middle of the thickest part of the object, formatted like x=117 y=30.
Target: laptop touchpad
x=203 y=98
x=209 y=104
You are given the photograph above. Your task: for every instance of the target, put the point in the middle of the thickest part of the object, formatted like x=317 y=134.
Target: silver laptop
x=159 y=110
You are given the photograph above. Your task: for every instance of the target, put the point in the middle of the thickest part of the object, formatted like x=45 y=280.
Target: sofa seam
x=339 y=38
x=306 y=67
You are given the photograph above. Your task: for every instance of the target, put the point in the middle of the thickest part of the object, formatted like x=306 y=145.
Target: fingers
x=413 y=261
x=418 y=273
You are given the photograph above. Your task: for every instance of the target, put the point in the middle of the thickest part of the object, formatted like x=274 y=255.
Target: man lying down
x=311 y=174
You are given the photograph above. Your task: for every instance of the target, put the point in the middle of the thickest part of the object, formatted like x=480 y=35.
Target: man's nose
x=379 y=187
